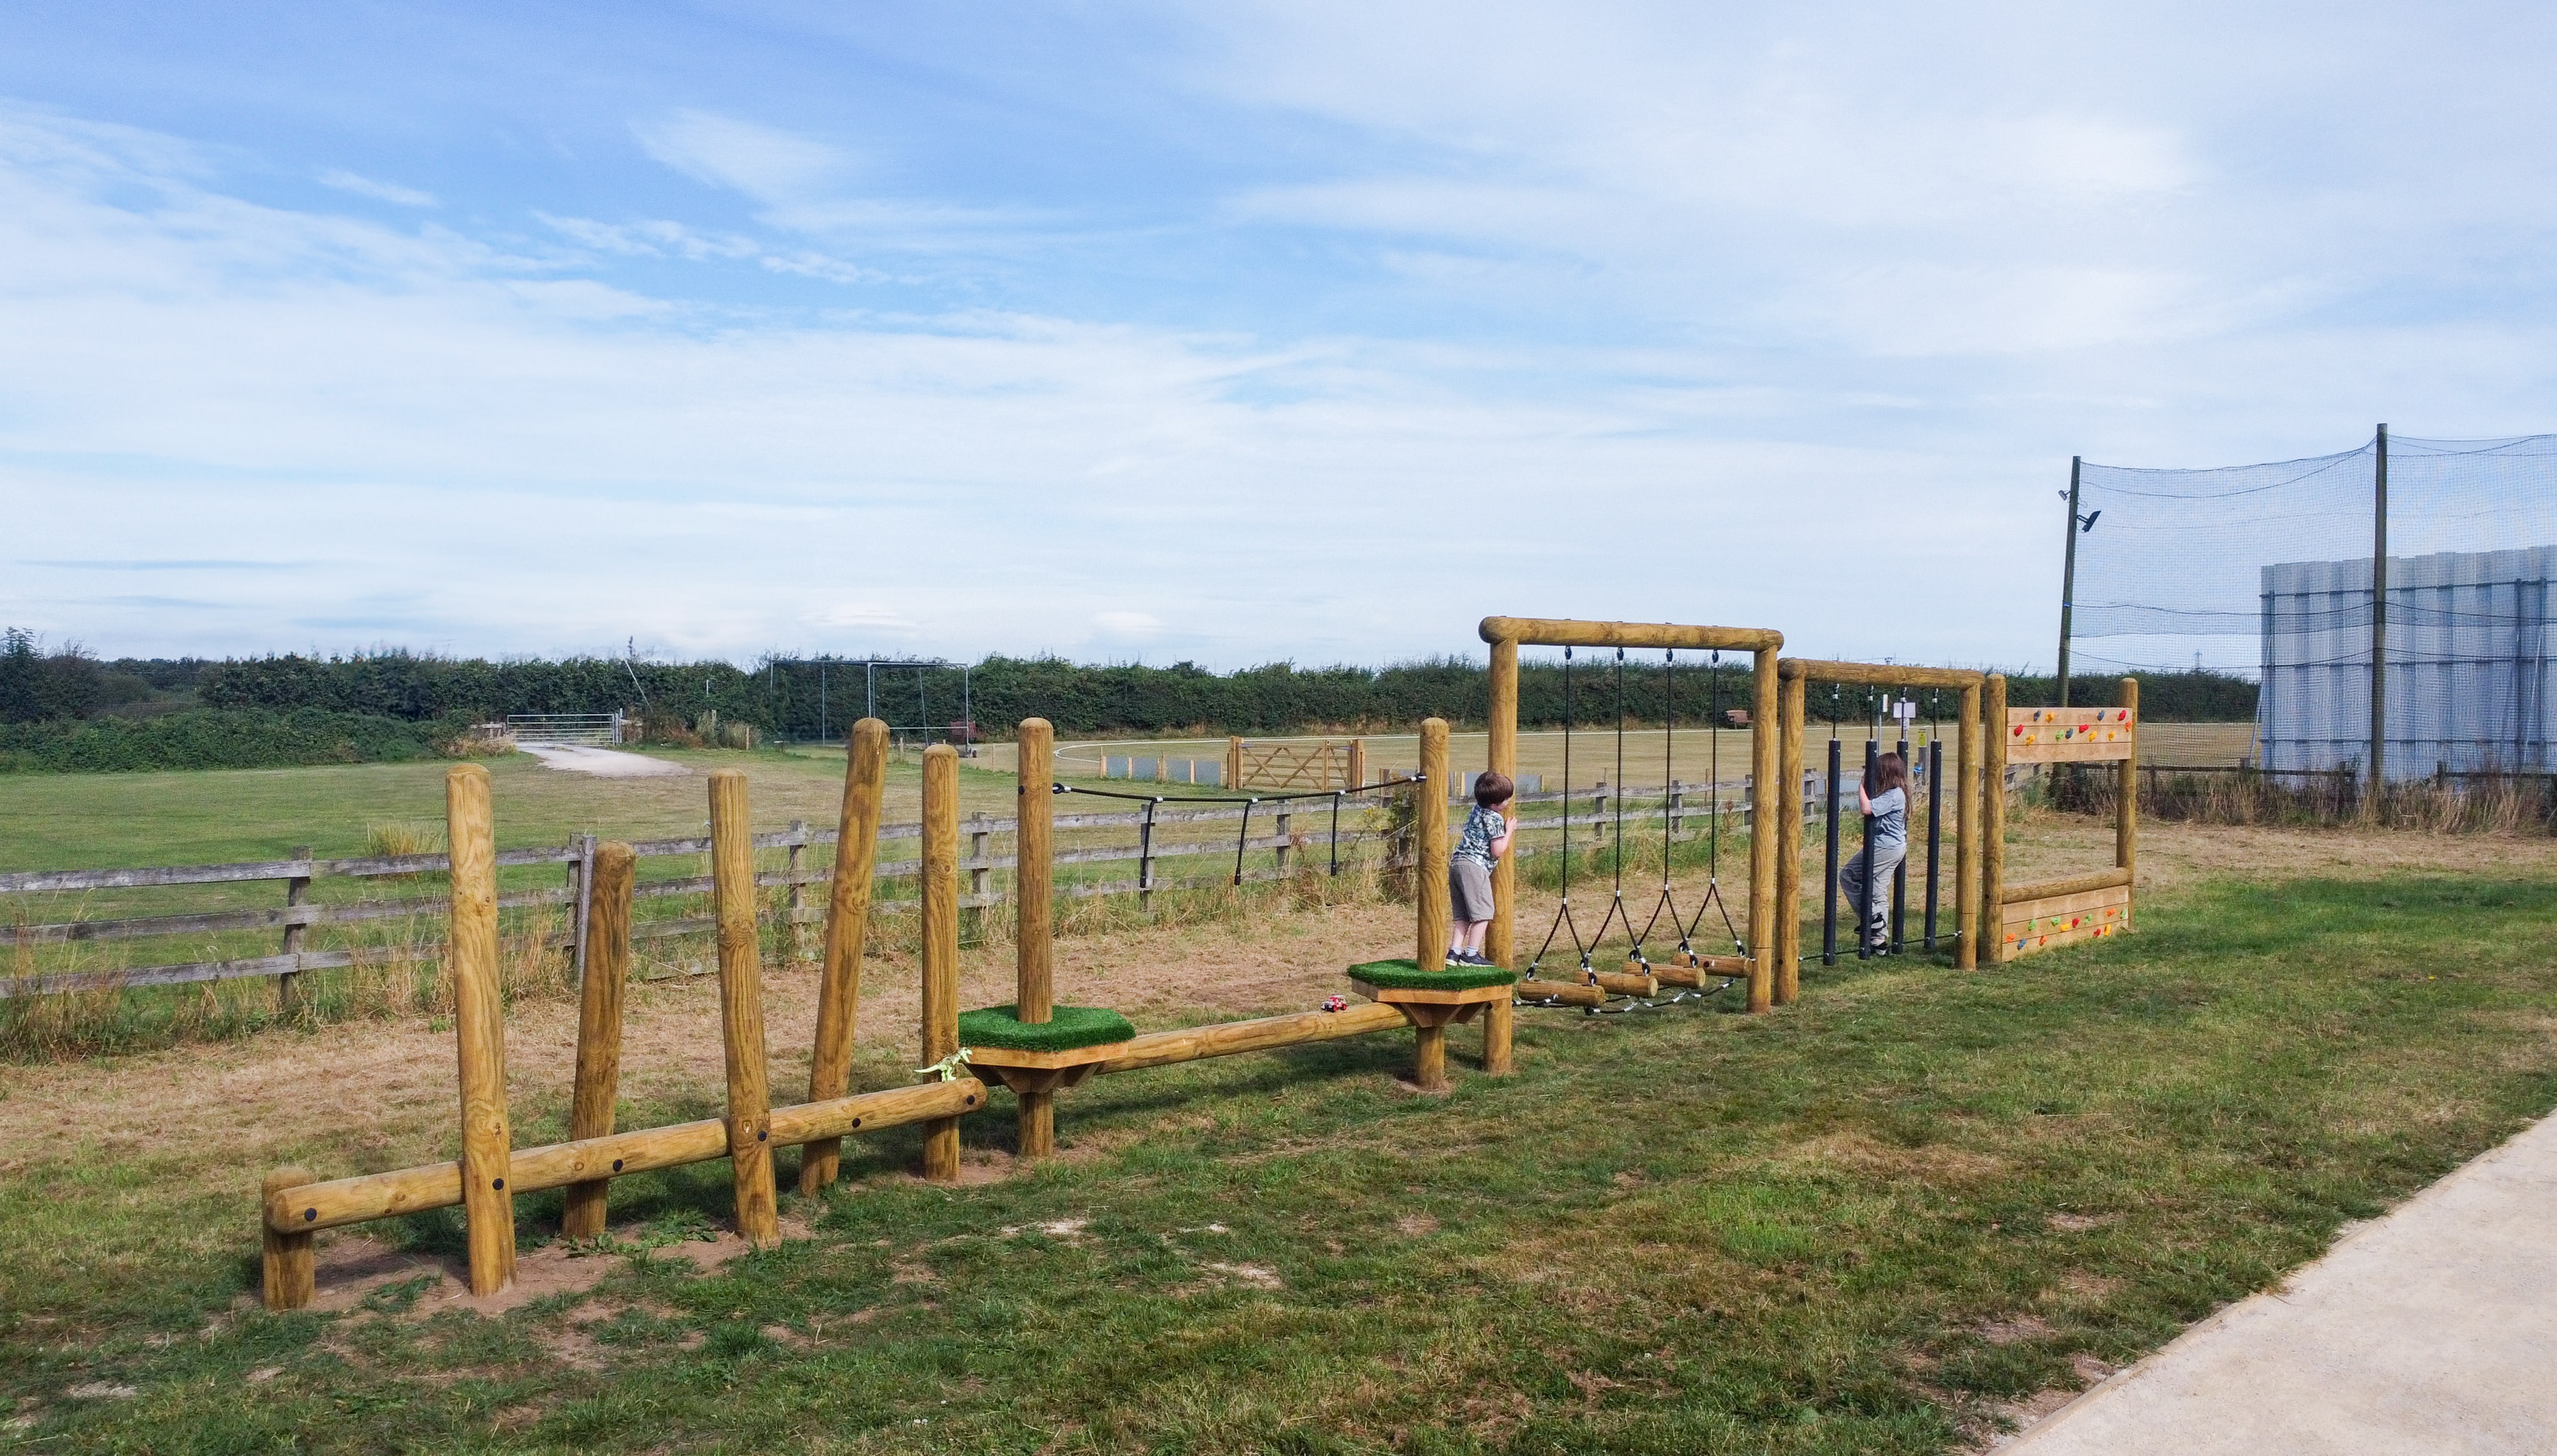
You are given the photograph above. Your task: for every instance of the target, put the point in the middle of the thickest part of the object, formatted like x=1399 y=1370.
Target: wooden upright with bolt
x=740 y=973
x=1429 y=894
x=940 y=944
x=847 y=915
x=1788 y=839
x=599 y=1025
x=1034 y=944
x=480 y=1029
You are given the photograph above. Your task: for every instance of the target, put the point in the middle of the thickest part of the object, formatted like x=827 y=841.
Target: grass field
x=1878 y=1221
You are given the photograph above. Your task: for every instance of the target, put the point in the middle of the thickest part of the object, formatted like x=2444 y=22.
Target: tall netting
x=2265 y=570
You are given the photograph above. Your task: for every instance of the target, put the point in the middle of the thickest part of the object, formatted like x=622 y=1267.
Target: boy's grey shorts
x=1469 y=891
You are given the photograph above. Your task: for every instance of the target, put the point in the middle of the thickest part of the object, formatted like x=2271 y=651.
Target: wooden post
x=1789 y=844
x=582 y=880
x=972 y=916
x=1429 y=847
x=1287 y=843
x=2126 y=785
x=1769 y=798
x=1429 y=1057
x=1992 y=925
x=1357 y=771
x=941 y=945
x=741 y=970
x=1034 y=947
x=792 y=935
x=290 y=1269
x=1501 y=756
x=480 y=1027
x=1966 y=843
x=599 y=1024
x=848 y=918
x=297 y=890
x=1233 y=762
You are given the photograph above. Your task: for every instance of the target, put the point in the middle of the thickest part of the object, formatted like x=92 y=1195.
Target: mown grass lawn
x=1853 y=1226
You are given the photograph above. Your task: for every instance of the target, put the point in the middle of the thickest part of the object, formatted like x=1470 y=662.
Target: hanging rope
x=1713 y=899
x=1667 y=901
x=1563 y=911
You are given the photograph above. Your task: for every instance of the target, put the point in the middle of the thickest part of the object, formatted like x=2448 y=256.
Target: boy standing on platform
x=1469 y=869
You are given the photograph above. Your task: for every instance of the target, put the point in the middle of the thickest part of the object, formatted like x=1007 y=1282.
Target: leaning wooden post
x=290 y=1269
x=1994 y=736
x=480 y=1027
x=1789 y=838
x=940 y=946
x=741 y=970
x=1501 y=941
x=2126 y=783
x=1430 y=891
x=1967 y=841
x=1035 y=946
x=1769 y=800
x=598 y=1023
x=848 y=919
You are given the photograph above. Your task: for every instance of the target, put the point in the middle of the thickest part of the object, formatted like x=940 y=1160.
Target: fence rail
x=1287 y=839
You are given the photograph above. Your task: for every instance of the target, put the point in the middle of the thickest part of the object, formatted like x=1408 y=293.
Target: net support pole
x=1900 y=871
x=1935 y=830
x=2126 y=787
x=1767 y=801
x=2068 y=577
x=1992 y=805
x=1864 y=902
x=1967 y=834
x=1788 y=842
x=1830 y=896
x=2377 y=768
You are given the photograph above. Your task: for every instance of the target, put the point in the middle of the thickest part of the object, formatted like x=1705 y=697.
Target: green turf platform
x=1067 y=1028
x=1406 y=974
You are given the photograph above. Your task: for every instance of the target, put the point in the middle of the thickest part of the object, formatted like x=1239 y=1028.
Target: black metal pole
x=1828 y=901
x=1934 y=826
x=1864 y=902
x=2068 y=579
x=1145 y=859
x=2379 y=625
x=1900 y=871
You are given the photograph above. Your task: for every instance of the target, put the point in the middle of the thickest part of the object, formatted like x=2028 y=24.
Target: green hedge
x=215 y=739
x=1066 y=1030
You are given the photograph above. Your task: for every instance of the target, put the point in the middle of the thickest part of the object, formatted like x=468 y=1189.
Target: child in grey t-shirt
x=1865 y=881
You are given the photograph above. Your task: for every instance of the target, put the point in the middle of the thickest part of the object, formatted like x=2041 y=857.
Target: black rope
x=1336 y=832
x=1669 y=823
x=1065 y=788
x=1714 y=898
x=1563 y=911
x=1242 y=839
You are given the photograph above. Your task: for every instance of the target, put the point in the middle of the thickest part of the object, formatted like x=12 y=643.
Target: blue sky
x=1232 y=333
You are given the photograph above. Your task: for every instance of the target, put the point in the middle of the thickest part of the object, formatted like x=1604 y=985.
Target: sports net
x=2264 y=570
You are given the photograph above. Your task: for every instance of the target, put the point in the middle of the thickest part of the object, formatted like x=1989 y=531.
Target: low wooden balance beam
x=2093 y=906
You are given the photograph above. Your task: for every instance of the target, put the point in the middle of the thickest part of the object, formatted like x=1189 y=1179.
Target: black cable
x=1563 y=911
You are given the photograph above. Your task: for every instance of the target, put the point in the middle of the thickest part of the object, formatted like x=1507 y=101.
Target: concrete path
x=602 y=763
x=2432 y=1330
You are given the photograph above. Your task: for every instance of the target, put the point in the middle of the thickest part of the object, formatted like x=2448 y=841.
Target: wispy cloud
x=764 y=163
x=381 y=192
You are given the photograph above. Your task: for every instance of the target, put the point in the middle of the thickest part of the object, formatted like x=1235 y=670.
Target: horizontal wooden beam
x=1876 y=674
x=1536 y=632
x=1559 y=992
x=2074 y=884
x=1227 y=1038
x=343 y=1201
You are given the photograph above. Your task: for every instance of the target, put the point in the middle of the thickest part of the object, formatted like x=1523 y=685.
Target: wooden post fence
x=599 y=1024
x=740 y=975
x=848 y=913
x=480 y=1029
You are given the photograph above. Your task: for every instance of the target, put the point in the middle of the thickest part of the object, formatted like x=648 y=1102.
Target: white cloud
x=383 y=192
x=764 y=163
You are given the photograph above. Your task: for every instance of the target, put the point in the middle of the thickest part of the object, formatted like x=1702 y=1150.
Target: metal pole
x=2068 y=579
x=1934 y=826
x=1829 y=899
x=2379 y=624
x=1900 y=871
x=1865 y=905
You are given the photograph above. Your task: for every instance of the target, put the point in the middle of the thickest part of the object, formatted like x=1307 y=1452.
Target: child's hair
x=1890 y=771
x=1493 y=788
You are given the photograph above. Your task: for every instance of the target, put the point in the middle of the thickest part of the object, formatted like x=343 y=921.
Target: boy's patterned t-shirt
x=1481 y=828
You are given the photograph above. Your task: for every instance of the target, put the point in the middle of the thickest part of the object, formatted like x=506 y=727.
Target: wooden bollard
x=1430 y=892
x=1788 y=840
x=1035 y=937
x=848 y=918
x=480 y=1029
x=599 y=1024
x=741 y=971
x=940 y=944
x=289 y=1263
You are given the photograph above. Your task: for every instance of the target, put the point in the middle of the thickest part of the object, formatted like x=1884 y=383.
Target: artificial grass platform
x=1407 y=974
x=1066 y=1029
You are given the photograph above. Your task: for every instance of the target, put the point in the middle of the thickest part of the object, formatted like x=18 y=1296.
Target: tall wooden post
x=1789 y=842
x=848 y=919
x=2126 y=785
x=1430 y=893
x=480 y=1027
x=1233 y=762
x=1992 y=805
x=1500 y=942
x=1769 y=801
x=792 y=935
x=598 y=1023
x=1034 y=947
x=1967 y=841
x=289 y=1266
x=940 y=944
x=741 y=970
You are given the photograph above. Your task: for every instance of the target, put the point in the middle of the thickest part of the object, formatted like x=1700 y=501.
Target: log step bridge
x=341 y=1201
x=1228 y=1038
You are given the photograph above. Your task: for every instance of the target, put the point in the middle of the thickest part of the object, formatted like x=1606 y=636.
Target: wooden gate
x=1307 y=764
